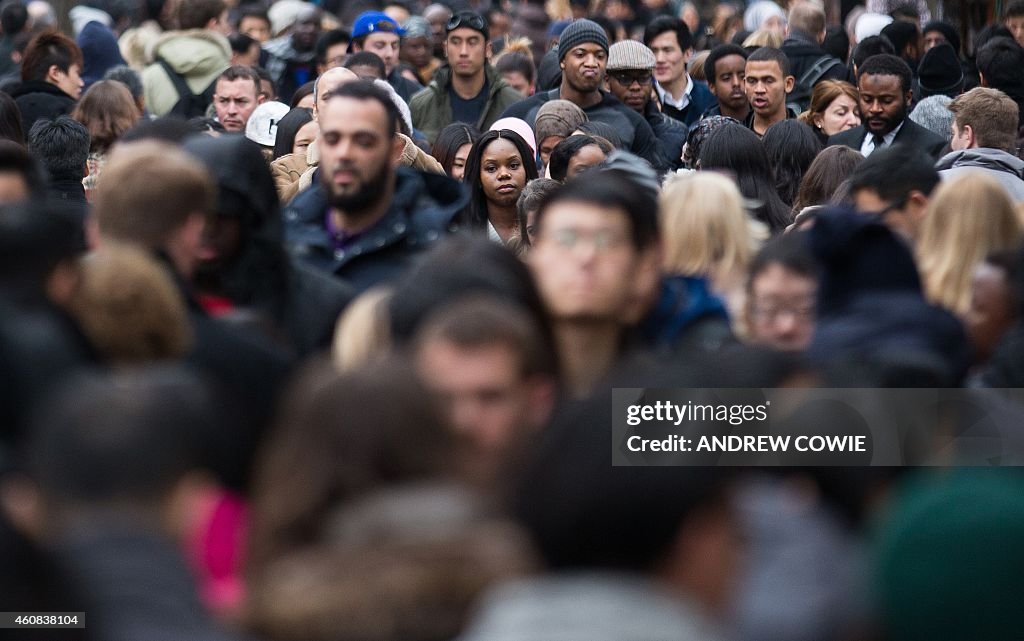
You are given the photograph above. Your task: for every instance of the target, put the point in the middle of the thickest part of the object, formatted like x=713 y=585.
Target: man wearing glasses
x=629 y=78
x=595 y=257
x=379 y=34
x=466 y=89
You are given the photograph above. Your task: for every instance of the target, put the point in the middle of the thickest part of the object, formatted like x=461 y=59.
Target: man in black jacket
x=50 y=80
x=630 y=76
x=885 y=98
x=803 y=46
x=366 y=219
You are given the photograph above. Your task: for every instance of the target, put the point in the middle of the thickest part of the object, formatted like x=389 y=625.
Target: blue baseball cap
x=373 y=22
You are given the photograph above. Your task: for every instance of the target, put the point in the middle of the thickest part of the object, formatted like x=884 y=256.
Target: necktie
x=878 y=140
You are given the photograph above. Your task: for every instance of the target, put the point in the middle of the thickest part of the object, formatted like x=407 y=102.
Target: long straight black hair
x=738 y=150
x=475 y=214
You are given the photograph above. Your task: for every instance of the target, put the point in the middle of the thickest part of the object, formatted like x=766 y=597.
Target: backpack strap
x=820 y=67
x=184 y=91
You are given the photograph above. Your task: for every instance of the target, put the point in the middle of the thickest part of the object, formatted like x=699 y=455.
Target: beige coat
x=293 y=174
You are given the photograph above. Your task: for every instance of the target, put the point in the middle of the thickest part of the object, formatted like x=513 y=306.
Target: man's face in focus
x=234 y=101
x=631 y=86
x=358 y=153
x=883 y=103
x=728 y=83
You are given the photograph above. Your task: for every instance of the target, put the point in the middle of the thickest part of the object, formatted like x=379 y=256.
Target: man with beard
x=583 y=56
x=725 y=69
x=292 y=61
x=367 y=218
x=595 y=257
x=885 y=98
x=467 y=89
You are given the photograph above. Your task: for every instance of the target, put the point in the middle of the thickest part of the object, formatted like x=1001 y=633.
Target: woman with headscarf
x=555 y=121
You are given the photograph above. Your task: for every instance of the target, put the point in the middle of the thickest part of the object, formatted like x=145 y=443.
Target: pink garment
x=216 y=550
x=519 y=126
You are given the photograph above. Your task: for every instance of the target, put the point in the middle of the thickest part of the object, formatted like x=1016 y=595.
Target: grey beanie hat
x=580 y=32
x=933 y=114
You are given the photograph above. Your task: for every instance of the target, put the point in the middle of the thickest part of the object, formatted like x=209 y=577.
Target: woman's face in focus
x=841 y=114
x=502 y=173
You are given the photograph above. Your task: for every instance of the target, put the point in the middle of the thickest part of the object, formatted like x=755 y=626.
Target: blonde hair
x=363 y=332
x=129 y=307
x=521 y=45
x=968 y=218
x=705 y=230
x=696 y=65
x=764 y=38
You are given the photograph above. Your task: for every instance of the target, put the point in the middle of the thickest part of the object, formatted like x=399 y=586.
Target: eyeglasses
x=602 y=240
x=803 y=311
x=627 y=78
x=467 y=19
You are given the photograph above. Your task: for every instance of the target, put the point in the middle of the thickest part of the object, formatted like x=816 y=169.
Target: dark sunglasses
x=471 y=20
x=627 y=78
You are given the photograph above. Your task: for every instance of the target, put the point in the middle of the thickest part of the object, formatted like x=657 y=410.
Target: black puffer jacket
x=423 y=210
x=38 y=100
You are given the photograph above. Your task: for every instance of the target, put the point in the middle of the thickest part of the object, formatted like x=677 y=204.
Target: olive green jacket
x=432 y=110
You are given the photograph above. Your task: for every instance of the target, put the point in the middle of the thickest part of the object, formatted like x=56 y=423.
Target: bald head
x=328 y=82
x=808 y=18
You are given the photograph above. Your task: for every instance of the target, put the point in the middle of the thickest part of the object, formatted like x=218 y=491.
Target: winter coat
x=404 y=87
x=1004 y=167
x=432 y=109
x=39 y=100
x=803 y=53
x=687 y=314
x=423 y=210
x=198 y=55
x=671 y=132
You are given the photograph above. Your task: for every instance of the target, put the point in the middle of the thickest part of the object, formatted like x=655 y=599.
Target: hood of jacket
x=99 y=50
x=245 y=191
x=193 y=52
x=983 y=158
x=83 y=15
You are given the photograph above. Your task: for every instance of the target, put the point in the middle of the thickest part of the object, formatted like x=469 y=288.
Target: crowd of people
x=311 y=312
